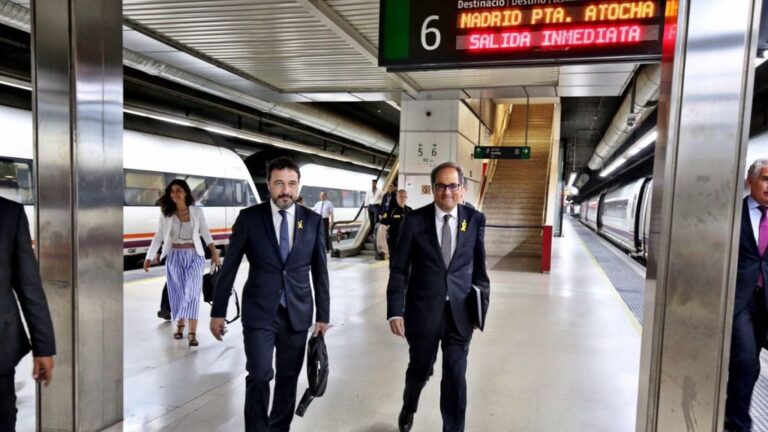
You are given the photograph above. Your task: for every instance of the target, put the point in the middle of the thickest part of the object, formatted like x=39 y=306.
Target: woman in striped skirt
x=179 y=231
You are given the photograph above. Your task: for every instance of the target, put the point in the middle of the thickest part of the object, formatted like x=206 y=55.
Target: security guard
x=394 y=218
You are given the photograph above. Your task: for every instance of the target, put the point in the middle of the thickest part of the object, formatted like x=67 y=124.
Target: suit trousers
x=748 y=335
x=327 y=230
x=7 y=402
x=453 y=386
x=260 y=344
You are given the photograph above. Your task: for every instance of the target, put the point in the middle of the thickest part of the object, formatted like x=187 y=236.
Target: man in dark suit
x=284 y=243
x=443 y=243
x=750 y=319
x=393 y=220
x=19 y=274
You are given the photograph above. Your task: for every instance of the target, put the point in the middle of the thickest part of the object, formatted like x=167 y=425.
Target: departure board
x=439 y=34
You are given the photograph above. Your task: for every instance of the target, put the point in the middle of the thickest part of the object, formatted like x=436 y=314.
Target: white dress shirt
x=453 y=223
x=323 y=208
x=277 y=218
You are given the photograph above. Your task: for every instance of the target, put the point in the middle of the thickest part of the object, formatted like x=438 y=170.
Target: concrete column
x=78 y=99
x=704 y=97
x=433 y=132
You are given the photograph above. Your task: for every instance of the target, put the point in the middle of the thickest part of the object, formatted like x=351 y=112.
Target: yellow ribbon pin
x=301 y=224
x=464 y=226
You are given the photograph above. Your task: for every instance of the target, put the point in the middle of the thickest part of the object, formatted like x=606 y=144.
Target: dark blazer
x=19 y=274
x=419 y=280
x=253 y=235
x=750 y=262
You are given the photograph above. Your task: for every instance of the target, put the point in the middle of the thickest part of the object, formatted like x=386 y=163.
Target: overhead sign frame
x=445 y=34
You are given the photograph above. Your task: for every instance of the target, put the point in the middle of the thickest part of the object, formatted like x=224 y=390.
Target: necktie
x=762 y=239
x=285 y=242
x=445 y=241
x=322 y=207
x=285 y=248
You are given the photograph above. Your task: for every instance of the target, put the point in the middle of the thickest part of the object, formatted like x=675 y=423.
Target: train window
x=250 y=198
x=16 y=181
x=615 y=209
x=143 y=188
x=218 y=194
x=238 y=192
x=339 y=197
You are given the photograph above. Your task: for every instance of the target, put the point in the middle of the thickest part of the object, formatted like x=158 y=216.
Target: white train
x=345 y=189
x=217 y=176
x=622 y=215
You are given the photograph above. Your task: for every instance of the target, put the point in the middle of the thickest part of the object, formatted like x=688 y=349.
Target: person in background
x=750 y=318
x=389 y=200
x=20 y=285
x=372 y=200
x=300 y=200
x=324 y=208
x=179 y=229
x=393 y=219
x=285 y=245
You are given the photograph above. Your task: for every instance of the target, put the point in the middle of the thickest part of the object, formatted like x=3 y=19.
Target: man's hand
x=397 y=325
x=147 y=263
x=218 y=328
x=320 y=328
x=42 y=369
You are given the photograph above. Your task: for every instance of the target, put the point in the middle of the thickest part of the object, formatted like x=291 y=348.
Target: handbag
x=210 y=280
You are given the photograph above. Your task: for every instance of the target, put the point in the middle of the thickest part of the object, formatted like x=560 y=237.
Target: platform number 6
x=426 y=30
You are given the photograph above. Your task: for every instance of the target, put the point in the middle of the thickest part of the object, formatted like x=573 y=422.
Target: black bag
x=209 y=283
x=210 y=280
x=317 y=372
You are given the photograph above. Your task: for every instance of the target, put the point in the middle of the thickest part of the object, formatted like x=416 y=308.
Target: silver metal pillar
x=699 y=169
x=78 y=99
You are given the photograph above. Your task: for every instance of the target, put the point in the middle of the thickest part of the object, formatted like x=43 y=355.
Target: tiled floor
x=560 y=353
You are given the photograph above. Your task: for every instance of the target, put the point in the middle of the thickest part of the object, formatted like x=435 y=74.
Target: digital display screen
x=437 y=34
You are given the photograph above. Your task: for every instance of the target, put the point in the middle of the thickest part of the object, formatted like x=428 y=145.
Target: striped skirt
x=184 y=270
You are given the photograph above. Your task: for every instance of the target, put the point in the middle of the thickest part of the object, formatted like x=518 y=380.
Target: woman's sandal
x=179 y=331
x=192 y=339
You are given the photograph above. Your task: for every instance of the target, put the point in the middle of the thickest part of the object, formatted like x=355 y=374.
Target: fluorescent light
x=13 y=82
x=160 y=117
x=571 y=179
x=639 y=145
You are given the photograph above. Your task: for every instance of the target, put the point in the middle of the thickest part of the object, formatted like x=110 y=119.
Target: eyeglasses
x=440 y=187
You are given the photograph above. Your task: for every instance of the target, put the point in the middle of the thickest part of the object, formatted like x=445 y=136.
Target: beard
x=284 y=201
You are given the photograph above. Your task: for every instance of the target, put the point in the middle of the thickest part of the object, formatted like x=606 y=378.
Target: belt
x=183 y=246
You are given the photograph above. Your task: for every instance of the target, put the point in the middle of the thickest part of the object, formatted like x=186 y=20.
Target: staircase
x=517 y=192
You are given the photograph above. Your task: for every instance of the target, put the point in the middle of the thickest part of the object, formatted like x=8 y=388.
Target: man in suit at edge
x=445 y=243
x=750 y=319
x=19 y=274
x=284 y=243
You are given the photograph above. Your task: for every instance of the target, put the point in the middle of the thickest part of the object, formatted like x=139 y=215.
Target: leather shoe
x=166 y=315
x=405 y=421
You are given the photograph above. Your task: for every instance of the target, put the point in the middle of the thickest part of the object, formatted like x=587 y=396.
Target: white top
x=165 y=226
x=277 y=219
x=754 y=217
x=372 y=197
x=323 y=208
x=453 y=223
x=181 y=232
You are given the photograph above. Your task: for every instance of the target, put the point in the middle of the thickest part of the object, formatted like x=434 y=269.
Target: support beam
x=78 y=77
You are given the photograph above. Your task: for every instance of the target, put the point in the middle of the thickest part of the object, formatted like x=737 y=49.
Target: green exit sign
x=502 y=152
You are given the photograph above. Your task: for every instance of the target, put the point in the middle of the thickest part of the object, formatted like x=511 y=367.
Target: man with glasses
x=430 y=307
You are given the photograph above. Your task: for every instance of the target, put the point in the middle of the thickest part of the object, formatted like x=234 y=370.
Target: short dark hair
x=280 y=163
x=444 y=165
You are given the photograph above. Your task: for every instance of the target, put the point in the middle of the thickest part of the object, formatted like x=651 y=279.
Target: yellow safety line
x=632 y=319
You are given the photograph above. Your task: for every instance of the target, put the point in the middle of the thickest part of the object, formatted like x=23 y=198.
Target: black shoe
x=405 y=421
x=166 y=315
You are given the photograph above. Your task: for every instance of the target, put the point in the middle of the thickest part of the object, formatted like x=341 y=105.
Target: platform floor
x=560 y=353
